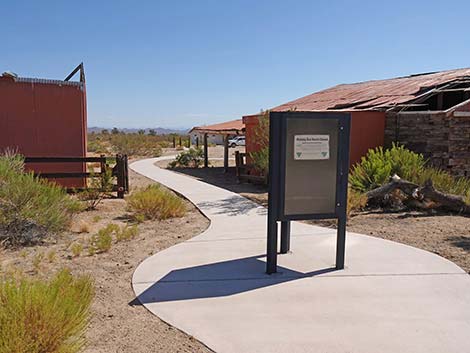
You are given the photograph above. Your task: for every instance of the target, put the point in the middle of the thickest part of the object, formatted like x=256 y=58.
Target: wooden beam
x=440 y=101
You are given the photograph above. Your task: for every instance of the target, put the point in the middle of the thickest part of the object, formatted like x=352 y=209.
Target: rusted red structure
x=425 y=112
x=45 y=118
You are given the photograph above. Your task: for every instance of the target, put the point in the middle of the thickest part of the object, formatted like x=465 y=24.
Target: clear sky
x=184 y=63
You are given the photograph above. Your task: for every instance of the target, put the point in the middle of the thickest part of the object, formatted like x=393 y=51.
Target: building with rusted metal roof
x=429 y=113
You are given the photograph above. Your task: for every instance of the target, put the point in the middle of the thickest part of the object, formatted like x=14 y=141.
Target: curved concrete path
x=390 y=298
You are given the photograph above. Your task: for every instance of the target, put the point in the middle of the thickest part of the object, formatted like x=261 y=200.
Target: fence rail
x=243 y=170
x=120 y=170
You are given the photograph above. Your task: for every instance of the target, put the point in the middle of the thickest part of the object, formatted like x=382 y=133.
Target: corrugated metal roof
x=233 y=126
x=47 y=81
x=374 y=95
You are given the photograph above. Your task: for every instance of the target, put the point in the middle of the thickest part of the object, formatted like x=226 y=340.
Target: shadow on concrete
x=219 y=280
x=217 y=177
x=232 y=206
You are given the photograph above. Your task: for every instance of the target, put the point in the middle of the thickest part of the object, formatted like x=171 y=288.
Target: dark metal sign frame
x=278 y=122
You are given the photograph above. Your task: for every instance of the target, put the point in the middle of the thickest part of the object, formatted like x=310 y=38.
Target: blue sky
x=184 y=63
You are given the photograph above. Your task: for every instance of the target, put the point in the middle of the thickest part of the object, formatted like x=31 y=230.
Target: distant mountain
x=158 y=130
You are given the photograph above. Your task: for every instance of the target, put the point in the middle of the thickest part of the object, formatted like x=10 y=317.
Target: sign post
x=308 y=175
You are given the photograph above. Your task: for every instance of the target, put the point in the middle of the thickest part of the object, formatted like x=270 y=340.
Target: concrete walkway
x=390 y=298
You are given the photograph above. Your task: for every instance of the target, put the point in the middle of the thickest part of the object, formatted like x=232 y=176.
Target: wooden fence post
x=121 y=184
x=174 y=141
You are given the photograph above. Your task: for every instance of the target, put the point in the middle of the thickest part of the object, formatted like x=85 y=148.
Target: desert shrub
x=357 y=201
x=126 y=233
x=103 y=240
x=154 y=202
x=38 y=316
x=164 y=144
x=194 y=157
x=76 y=249
x=30 y=207
x=136 y=145
x=260 y=157
x=376 y=168
x=445 y=182
x=99 y=187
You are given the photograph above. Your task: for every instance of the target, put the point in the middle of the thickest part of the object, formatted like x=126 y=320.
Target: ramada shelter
x=428 y=113
x=218 y=132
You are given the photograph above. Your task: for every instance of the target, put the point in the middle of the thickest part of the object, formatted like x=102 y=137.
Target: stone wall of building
x=443 y=139
x=425 y=133
x=459 y=144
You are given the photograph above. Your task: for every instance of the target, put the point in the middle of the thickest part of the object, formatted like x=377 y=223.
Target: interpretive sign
x=308 y=174
x=311 y=147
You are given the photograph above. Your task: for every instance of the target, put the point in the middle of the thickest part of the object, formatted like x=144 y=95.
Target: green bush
x=380 y=164
x=376 y=168
x=194 y=157
x=38 y=316
x=154 y=202
x=30 y=207
x=260 y=157
x=445 y=182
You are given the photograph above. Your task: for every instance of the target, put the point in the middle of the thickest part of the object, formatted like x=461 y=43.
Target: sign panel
x=311 y=162
x=311 y=147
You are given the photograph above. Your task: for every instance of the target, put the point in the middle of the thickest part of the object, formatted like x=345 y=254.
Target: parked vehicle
x=236 y=141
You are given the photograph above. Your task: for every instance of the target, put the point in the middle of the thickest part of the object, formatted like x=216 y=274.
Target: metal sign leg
x=271 y=257
x=340 y=243
x=285 y=237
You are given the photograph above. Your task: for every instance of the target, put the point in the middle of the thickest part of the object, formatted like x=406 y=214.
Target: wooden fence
x=243 y=170
x=120 y=170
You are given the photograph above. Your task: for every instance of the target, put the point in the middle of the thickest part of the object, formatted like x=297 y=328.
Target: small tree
x=260 y=157
x=115 y=131
x=152 y=132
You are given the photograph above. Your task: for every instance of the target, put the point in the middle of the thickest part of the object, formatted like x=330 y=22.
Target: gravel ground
x=119 y=323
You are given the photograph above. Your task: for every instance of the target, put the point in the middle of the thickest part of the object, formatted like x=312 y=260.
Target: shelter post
x=225 y=153
x=206 y=156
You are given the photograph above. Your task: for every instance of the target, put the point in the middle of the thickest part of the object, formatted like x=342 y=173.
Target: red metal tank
x=45 y=118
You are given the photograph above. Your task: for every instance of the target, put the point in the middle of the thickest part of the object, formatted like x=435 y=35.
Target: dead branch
x=396 y=183
x=426 y=196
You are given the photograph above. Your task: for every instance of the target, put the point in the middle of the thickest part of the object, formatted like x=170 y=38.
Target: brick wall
x=443 y=140
x=459 y=145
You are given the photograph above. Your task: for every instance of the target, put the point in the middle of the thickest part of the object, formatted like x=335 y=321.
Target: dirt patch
x=119 y=322
x=444 y=234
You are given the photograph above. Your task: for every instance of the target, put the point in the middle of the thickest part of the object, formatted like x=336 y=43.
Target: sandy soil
x=444 y=234
x=119 y=322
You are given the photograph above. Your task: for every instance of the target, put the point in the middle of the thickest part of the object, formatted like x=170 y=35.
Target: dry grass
x=154 y=202
x=357 y=201
x=38 y=316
